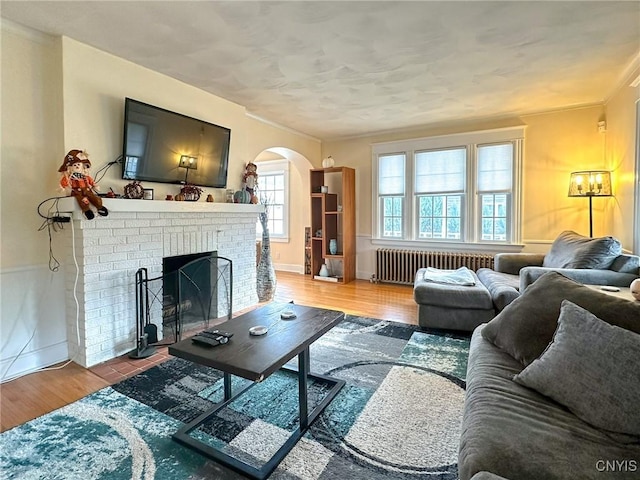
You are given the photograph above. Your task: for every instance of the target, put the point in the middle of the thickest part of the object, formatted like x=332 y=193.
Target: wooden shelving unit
x=333 y=216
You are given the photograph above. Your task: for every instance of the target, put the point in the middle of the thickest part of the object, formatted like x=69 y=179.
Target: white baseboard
x=33 y=361
x=284 y=267
x=364 y=275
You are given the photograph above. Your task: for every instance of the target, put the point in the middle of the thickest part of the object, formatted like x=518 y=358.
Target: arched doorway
x=287 y=248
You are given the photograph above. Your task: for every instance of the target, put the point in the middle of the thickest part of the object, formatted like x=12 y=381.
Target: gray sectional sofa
x=592 y=261
x=550 y=394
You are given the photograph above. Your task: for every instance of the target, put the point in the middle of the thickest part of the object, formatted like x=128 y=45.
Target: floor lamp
x=590 y=183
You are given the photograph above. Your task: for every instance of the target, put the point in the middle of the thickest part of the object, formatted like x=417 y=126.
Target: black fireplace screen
x=182 y=299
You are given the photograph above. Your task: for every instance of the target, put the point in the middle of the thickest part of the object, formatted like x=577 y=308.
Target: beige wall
x=31 y=141
x=621 y=158
x=32 y=311
x=556 y=144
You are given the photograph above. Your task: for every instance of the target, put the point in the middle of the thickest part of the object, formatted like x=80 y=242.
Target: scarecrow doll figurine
x=250 y=180
x=77 y=182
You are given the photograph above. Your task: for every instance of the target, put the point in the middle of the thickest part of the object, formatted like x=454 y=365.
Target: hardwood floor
x=34 y=395
x=360 y=297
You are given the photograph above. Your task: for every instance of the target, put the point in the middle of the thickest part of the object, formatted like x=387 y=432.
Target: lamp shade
x=590 y=183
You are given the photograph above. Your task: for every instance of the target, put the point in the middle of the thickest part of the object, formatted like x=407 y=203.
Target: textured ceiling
x=333 y=69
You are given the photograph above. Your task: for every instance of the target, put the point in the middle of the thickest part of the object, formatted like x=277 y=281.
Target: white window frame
x=471 y=228
x=276 y=167
x=380 y=197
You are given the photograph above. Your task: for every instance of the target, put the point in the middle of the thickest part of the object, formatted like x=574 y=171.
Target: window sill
x=449 y=246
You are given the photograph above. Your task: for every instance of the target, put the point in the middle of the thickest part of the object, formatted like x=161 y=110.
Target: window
x=456 y=188
x=391 y=180
x=273 y=190
x=495 y=180
x=439 y=189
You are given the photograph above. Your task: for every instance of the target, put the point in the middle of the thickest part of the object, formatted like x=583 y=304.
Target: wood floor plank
x=39 y=393
x=34 y=395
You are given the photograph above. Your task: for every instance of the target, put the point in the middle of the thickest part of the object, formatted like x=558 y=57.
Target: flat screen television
x=168 y=147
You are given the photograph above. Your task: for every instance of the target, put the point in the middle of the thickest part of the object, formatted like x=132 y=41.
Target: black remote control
x=215 y=336
x=208 y=341
x=218 y=332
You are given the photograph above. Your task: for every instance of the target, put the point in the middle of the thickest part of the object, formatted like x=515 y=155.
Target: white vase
x=324 y=271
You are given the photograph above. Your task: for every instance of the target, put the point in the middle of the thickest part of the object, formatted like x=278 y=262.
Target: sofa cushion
x=588 y=368
x=627 y=264
x=503 y=287
x=526 y=326
x=571 y=250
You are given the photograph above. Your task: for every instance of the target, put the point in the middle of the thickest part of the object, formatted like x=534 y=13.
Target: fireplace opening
x=188 y=292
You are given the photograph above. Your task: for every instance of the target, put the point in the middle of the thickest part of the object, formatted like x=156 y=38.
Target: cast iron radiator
x=400 y=266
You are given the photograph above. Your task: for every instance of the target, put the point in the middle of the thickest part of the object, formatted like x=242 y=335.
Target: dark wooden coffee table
x=257 y=357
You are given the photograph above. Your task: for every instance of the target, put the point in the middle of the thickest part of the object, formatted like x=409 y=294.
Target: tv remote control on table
x=216 y=332
x=209 y=340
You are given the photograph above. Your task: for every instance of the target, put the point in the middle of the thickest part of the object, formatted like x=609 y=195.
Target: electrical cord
x=99 y=175
x=52 y=220
x=75 y=298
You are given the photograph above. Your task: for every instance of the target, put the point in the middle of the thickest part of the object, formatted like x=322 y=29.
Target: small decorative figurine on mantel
x=77 y=182
x=250 y=180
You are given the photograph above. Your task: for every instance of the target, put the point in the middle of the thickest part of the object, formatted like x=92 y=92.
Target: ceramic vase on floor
x=265 y=273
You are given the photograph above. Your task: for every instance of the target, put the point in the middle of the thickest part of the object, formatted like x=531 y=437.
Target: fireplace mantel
x=69 y=205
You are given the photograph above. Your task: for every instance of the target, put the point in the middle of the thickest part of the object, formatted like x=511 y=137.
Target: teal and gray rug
x=398 y=417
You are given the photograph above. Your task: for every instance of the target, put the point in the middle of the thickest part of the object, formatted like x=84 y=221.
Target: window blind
x=391 y=174
x=495 y=167
x=440 y=171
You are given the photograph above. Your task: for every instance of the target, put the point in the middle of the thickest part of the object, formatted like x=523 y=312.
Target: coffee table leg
x=227 y=386
x=303 y=373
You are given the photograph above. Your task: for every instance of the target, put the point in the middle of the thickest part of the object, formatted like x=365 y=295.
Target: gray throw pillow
x=591 y=368
x=571 y=250
x=526 y=326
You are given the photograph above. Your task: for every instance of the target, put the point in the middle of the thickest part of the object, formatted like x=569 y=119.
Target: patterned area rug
x=398 y=417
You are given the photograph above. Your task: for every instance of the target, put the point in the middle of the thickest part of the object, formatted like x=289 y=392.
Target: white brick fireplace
x=139 y=233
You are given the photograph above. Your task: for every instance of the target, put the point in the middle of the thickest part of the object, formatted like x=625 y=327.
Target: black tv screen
x=159 y=145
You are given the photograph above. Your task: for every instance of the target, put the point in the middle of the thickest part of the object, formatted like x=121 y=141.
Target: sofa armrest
x=587 y=276
x=513 y=262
